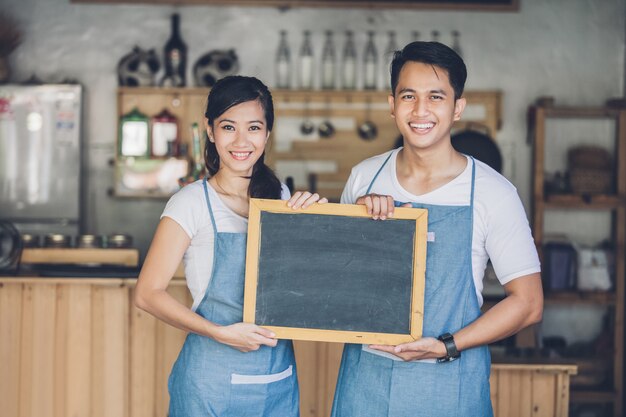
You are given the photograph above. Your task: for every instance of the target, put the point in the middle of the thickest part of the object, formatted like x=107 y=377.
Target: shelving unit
x=291 y=153
x=611 y=395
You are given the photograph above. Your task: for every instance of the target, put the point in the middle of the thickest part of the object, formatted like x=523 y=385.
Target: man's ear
x=392 y=105
x=459 y=106
x=209 y=130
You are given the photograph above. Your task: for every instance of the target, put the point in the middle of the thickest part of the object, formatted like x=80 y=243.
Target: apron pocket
x=264 y=395
x=238 y=379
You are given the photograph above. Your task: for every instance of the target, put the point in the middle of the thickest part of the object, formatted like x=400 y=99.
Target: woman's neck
x=231 y=184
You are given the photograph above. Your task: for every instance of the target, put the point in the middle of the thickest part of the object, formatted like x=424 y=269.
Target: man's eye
x=408 y=97
x=436 y=97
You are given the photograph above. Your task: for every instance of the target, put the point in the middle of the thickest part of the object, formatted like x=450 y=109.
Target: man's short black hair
x=432 y=53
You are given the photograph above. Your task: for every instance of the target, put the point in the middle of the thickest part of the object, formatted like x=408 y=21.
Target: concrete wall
x=570 y=49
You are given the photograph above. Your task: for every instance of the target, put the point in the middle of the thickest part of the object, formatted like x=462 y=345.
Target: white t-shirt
x=501 y=231
x=189 y=209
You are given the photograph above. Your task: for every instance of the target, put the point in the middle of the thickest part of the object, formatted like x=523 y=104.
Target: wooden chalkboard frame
x=418 y=267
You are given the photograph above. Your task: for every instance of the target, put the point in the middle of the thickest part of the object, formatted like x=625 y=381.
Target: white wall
x=570 y=49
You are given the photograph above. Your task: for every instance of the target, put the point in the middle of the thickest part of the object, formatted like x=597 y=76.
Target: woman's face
x=240 y=135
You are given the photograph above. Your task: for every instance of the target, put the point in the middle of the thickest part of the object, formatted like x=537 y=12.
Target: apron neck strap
x=378 y=172
x=208 y=204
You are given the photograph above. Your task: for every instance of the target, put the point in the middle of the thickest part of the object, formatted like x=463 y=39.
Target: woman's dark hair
x=433 y=53
x=229 y=92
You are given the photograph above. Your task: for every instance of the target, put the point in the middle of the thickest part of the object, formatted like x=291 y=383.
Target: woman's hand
x=380 y=207
x=303 y=199
x=424 y=348
x=245 y=337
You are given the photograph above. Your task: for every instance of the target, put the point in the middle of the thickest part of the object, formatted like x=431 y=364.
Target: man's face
x=424 y=107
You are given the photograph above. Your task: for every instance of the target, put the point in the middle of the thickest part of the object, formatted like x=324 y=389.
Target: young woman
x=226 y=367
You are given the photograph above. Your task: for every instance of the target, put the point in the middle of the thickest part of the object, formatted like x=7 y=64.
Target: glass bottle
x=456 y=42
x=434 y=36
x=164 y=131
x=283 y=62
x=348 y=69
x=134 y=138
x=197 y=166
x=328 y=62
x=370 y=63
x=306 y=62
x=175 y=53
x=391 y=48
x=415 y=36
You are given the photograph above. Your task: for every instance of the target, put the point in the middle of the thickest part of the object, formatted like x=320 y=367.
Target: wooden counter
x=79 y=347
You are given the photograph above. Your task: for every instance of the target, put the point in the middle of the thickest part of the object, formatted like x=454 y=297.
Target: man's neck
x=424 y=170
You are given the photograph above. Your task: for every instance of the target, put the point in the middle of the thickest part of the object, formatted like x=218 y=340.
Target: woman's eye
x=255 y=127
x=228 y=127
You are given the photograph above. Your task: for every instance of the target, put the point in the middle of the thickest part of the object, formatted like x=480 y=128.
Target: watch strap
x=451 y=351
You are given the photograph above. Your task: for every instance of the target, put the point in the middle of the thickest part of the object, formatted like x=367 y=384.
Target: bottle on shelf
x=348 y=65
x=306 y=62
x=134 y=138
x=434 y=36
x=175 y=54
x=370 y=63
x=283 y=62
x=456 y=42
x=392 y=47
x=164 y=141
x=328 y=62
x=197 y=165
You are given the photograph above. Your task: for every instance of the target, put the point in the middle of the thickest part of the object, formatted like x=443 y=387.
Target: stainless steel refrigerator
x=40 y=157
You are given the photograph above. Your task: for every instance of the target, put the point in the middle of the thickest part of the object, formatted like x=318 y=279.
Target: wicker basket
x=589 y=157
x=590 y=170
x=592 y=181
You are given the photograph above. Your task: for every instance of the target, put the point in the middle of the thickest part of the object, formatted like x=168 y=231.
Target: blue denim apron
x=213 y=379
x=374 y=385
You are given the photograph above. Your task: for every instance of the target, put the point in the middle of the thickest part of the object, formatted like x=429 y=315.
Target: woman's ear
x=209 y=130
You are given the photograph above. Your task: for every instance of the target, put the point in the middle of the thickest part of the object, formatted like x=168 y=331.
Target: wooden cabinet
x=78 y=347
x=613 y=204
x=313 y=162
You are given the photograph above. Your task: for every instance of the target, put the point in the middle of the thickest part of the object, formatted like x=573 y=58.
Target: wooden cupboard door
x=10 y=347
x=110 y=305
x=36 y=379
x=72 y=351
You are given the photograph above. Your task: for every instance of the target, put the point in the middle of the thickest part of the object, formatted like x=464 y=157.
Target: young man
x=474 y=214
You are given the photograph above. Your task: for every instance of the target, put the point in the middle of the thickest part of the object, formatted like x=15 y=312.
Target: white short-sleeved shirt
x=500 y=231
x=189 y=209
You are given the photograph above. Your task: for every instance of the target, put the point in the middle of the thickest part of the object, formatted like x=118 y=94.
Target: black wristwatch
x=451 y=352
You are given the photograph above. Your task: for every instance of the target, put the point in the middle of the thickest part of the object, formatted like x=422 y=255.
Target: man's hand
x=380 y=207
x=424 y=348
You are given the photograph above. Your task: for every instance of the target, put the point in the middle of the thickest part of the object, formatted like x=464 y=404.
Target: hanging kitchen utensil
x=479 y=145
x=326 y=129
x=368 y=129
x=306 y=127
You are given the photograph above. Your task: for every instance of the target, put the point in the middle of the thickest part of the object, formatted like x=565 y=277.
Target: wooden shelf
x=617 y=204
x=580 y=112
x=594 y=396
x=579 y=201
x=596 y=297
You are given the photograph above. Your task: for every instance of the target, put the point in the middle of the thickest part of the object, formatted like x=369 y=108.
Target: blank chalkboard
x=331 y=273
